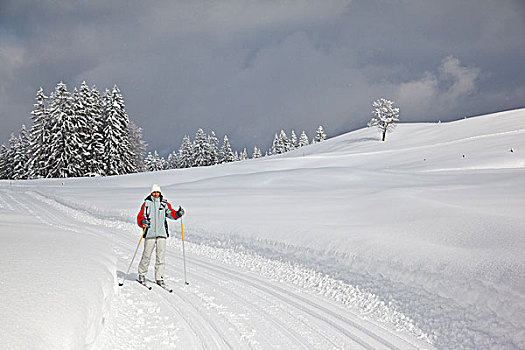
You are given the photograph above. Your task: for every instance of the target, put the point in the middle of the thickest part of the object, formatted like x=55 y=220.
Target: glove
x=180 y=212
x=145 y=223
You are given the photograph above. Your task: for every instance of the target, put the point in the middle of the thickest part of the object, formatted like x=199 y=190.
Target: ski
x=166 y=288
x=144 y=284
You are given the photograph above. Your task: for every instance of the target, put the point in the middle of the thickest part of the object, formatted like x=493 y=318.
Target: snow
x=416 y=242
x=54 y=295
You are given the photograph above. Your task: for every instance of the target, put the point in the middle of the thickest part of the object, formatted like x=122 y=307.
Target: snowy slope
x=349 y=243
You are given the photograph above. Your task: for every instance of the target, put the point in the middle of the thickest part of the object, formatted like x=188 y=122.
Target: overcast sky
x=250 y=68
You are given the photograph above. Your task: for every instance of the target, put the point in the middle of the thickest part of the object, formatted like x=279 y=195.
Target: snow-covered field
x=416 y=242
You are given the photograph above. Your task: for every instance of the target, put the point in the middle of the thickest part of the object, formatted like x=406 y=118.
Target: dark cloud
x=249 y=69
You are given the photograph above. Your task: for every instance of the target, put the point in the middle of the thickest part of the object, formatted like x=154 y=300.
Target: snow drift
x=429 y=222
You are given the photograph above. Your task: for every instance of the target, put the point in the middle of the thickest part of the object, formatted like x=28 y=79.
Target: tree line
x=205 y=150
x=79 y=133
x=83 y=133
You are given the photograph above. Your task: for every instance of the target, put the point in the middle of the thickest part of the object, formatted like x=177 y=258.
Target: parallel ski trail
x=277 y=326
x=360 y=336
x=299 y=338
x=276 y=329
x=3 y=203
x=212 y=338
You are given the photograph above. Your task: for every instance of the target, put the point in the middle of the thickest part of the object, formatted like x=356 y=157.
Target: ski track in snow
x=139 y=311
x=224 y=307
x=5 y=204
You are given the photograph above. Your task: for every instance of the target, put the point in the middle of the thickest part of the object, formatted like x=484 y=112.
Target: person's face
x=155 y=194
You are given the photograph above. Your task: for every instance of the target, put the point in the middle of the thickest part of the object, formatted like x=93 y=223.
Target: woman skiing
x=152 y=218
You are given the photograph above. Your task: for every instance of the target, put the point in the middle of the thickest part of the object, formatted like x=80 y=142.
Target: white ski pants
x=149 y=244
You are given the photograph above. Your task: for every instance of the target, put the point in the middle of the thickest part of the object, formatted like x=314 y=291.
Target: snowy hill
x=352 y=242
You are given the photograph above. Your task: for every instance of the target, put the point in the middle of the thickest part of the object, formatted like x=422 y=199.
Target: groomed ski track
x=224 y=307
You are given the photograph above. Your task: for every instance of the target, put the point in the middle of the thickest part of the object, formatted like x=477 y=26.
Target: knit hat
x=155 y=188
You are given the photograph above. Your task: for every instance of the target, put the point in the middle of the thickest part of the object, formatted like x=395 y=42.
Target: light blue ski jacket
x=156 y=211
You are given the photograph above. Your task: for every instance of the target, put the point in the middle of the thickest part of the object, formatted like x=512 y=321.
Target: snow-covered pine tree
x=280 y=144
x=111 y=136
x=81 y=118
x=85 y=109
x=385 y=116
x=226 y=154
x=95 y=111
x=117 y=146
x=154 y=162
x=293 y=141
x=173 y=160
x=21 y=155
x=201 y=149
x=138 y=146
x=284 y=142
x=4 y=165
x=186 y=153
x=12 y=149
x=236 y=156
x=39 y=138
x=320 y=135
x=149 y=162
x=214 y=148
x=256 y=153
x=127 y=156
x=243 y=155
x=163 y=163
x=275 y=145
x=81 y=111
x=66 y=156
x=303 y=140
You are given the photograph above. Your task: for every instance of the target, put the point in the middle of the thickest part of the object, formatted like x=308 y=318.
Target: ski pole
x=183 y=251
x=131 y=263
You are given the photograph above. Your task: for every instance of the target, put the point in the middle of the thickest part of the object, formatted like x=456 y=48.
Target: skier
x=152 y=218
